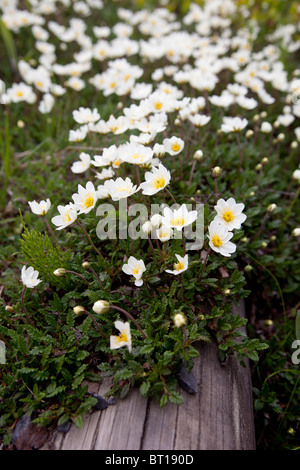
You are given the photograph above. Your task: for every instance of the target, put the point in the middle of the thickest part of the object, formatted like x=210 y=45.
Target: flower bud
x=147 y=227
x=156 y=220
x=265 y=160
x=9 y=308
x=281 y=137
x=272 y=207
x=179 y=320
x=296 y=232
x=78 y=310
x=296 y=175
x=227 y=291
x=249 y=133
x=264 y=245
x=198 y=155
x=86 y=265
x=216 y=171
x=59 y=272
x=258 y=167
x=268 y=322
x=266 y=127
x=101 y=306
x=248 y=268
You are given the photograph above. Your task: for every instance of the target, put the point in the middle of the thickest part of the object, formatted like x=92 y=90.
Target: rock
x=187 y=381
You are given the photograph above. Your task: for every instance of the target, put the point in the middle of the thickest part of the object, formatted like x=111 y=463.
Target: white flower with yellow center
x=219 y=238
x=86 y=115
x=86 y=198
x=40 y=208
x=135 y=267
x=29 y=277
x=173 y=145
x=179 y=218
x=156 y=180
x=135 y=153
x=124 y=338
x=164 y=233
x=68 y=215
x=181 y=265
x=229 y=213
x=120 y=188
x=83 y=164
x=233 y=124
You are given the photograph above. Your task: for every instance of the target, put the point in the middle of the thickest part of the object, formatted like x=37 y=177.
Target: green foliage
x=40 y=253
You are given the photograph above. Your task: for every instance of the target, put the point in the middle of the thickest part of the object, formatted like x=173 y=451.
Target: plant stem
x=90 y=240
x=79 y=275
x=51 y=231
x=192 y=171
x=204 y=264
x=23 y=307
x=240 y=152
x=95 y=322
x=128 y=315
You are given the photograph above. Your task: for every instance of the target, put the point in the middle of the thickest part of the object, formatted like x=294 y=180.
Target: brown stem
x=204 y=264
x=90 y=240
x=79 y=275
x=128 y=315
x=95 y=322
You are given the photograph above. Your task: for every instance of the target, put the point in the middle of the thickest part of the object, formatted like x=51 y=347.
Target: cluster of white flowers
x=194 y=60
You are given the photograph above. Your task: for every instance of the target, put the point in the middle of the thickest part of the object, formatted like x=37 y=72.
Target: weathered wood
x=218 y=417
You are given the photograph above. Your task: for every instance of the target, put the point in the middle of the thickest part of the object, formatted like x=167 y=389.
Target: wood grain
x=218 y=417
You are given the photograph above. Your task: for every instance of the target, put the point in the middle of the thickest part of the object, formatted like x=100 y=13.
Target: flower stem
x=204 y=264
x=192 y=172
x=51 y=231
x=90 y=240
x=79 y=275
x=95 y=322
x=128 y=315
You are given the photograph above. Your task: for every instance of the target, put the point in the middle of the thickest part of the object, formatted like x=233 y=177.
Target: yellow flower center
x=122 y=337
x=216 y=241
x=112 y=85
x=175 y=147
x=66 y=218
x=158 y=105
x=39 y=84
x=136 y=270
x=19 y=93
x=88 y=201
x=159 y=182
x=179 y=221
x=179 y=266
x=228 y=216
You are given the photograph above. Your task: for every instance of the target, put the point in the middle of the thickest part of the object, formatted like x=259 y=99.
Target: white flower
x=179 y=218
x=199 y=120
x=173 y=145
x=40 y=208
x=86 y=115
x=78 y=135
x=219 y=238
x=181 y=266
x=29 y=277
x=230 y=213
x=68 y=215
x=233 y=124
x=156 y=180
x=135 y=153
x=120 y=188
x=164 y=233
x=85 y=199
x=136 y=268
x=124 y=339
x=82 y=165
x=46 y=104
